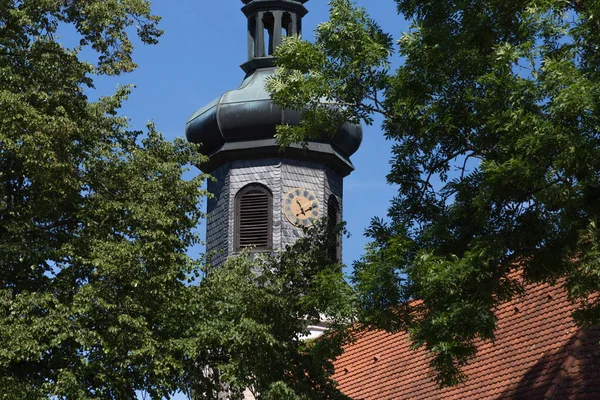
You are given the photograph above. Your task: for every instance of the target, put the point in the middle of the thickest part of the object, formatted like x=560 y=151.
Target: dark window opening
x=333 y=219
x=269 y=24
x=254 y=216
x=286 y=22
x=253 y=38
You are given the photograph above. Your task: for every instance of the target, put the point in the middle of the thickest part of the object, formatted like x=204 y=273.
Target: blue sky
x=198 y=59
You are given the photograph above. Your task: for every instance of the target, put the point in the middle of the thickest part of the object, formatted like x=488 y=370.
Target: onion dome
x=241 y=124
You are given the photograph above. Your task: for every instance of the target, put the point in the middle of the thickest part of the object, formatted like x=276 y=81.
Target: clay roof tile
x=538 y=353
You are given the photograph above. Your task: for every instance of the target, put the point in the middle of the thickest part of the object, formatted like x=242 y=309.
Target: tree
x=252 y=315
x=98 y=297
x=95 y=219
x=493 y=120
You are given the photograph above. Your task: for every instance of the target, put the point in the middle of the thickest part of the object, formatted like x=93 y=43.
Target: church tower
x=263 y=196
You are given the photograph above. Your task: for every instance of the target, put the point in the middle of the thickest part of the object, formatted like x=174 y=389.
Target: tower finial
x=268 y=22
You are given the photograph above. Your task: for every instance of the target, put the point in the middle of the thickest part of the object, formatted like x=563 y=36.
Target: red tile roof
x=539 y=353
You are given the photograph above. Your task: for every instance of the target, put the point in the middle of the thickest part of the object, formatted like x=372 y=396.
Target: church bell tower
x=263 y=196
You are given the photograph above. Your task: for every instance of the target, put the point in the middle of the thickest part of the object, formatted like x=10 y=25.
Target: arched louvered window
x=253 y=218
x=333 y=219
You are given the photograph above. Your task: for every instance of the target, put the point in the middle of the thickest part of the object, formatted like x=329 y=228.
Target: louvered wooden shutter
x=254 y=219
x=333 y=212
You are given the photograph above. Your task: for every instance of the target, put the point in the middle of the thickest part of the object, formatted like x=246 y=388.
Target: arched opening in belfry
x=287 y=24
x=254 y=218
x=334 y=218
x=269 y=24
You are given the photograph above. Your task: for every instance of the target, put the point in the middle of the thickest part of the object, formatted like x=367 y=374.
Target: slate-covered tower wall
x=237 y=133
x=279 y=175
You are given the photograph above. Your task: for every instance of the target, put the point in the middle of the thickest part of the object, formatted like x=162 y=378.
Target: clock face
x=301 y=207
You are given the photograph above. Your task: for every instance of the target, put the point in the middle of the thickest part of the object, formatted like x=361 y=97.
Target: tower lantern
x=263 y=196
x=268 y=22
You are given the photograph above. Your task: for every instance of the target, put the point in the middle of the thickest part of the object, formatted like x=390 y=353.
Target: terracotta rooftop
x=539 y=353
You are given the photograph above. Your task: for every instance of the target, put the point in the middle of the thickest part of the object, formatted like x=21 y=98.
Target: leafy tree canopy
x=95 y=220
x=98 y=297
x=252 y=316
x=493 y=121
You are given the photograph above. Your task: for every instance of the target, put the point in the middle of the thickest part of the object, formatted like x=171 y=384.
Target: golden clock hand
x=301 y=208
x=306 y=205
x=304 y=211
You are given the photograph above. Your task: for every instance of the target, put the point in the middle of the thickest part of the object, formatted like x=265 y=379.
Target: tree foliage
x=98 y=295
x=493 y=121
x=95 y=219
x=252 y=315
